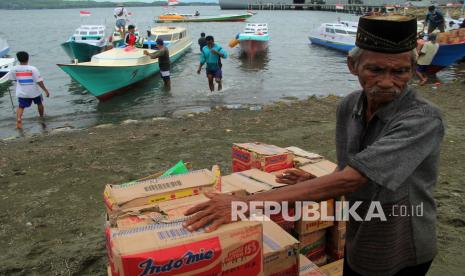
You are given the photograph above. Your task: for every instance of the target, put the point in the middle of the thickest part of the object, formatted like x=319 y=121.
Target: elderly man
x=387 y=142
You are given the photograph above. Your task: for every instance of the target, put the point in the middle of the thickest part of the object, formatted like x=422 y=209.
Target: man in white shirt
x=425 y=57
x=121 y=15
x=28 y=81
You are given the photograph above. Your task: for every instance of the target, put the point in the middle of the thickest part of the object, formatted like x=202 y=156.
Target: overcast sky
x=150 y=1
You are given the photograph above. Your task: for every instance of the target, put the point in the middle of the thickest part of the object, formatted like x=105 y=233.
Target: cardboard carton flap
x=175 y=209
x=267 y=179
x=263 y=149
x=321 y=168
x=307 y=268
x=121 y=194
x=303 y=153
x=252 y=181
x=275 y=238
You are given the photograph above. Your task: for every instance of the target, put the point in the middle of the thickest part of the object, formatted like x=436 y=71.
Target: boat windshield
x=166 y=37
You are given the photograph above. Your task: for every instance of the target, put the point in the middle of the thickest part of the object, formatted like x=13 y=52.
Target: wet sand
x=51 y=186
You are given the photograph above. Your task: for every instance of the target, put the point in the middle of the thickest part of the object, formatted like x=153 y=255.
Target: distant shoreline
x=105 y=5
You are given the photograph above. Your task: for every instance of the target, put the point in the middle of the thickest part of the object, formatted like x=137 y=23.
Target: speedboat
x=171 y=17
x=4 y=48
x=254 y=39
x=337 y=36
x=115 y=70
x=6 y=64
x=86 y=41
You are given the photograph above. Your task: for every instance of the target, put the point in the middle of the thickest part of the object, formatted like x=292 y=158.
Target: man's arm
x=42 y=85
x=153 y=55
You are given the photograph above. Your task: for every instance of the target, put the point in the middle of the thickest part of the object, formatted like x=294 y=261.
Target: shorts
x=165 y=75
x=216 y=73
x=422 y=68
x=26 y=102
x=120 y=23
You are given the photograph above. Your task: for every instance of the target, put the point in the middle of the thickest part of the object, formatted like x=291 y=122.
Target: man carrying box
x=388 y=142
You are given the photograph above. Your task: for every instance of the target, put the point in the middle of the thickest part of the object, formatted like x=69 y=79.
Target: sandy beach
x=51 y=185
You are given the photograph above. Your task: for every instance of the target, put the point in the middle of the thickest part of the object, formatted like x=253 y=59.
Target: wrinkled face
x=383 y=76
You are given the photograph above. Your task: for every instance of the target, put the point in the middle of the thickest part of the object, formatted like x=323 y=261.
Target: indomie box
x=264 y=157
x=280 y=250
x=119 y=197
x=307 y=268
x=313 y=246
x=336 y=242
x=311 y=225
x=169 y=249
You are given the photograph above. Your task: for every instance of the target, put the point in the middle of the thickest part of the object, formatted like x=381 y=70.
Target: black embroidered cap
x=387 y=34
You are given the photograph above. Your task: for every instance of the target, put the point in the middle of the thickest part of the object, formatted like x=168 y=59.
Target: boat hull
x=447 y=55
x=104 y=82
x=332 y=44
x=83 y=52
x=253 y=47
x=232 y=18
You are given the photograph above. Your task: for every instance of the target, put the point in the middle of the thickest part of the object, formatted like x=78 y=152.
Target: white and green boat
x=115 y=70
x=87 y=41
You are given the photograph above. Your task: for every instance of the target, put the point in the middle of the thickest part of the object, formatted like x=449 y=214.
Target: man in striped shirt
x=28 y=81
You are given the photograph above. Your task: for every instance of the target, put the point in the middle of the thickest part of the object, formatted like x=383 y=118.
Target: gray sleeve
x=390 y=160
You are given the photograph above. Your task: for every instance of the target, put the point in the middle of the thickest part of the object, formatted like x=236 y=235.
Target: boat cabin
x=256 y=28
x=338 y=30
x=169 y=35
x=89 y=32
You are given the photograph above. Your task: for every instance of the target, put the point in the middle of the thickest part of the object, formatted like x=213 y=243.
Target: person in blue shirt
x=212 y=55
x=434 y=20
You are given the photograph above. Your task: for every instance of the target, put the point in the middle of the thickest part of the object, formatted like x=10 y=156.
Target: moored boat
x=254 y=39
x=176 y=17
x=116 y=38
x=4 y=48
x=6 y=64
x=337 y=36
x=115 y=70
x=87 y=41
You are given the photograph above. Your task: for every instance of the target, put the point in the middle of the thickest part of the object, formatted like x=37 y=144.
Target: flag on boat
x=339 y=7
x=172 y=2
x=84 y=13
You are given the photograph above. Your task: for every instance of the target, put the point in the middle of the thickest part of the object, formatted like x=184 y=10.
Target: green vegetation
x=61 y=4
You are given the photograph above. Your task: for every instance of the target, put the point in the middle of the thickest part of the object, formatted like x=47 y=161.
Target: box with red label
x=280 y=250
x=169 y=249
x=307 y=268
x=325 y=209
x=313 y=246
x=150 y=191
x=264 y=157
x=336 y=241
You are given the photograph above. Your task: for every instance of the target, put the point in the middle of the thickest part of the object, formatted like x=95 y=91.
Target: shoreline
x=55 y=182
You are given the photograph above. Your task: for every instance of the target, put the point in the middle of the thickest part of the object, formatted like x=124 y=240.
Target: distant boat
x=254 y=39
x=114 y=70
x=6 y=64
x=4 y=48
x=337 y=36
x=87 y=41
x=176 y=17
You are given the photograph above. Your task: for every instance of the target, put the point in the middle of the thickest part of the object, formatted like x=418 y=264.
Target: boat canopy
x=170 y=34
x=89 y=32
x=256 y=28
x=339 y=29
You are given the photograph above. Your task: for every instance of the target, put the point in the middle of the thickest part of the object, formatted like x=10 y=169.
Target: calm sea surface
x=291 y=68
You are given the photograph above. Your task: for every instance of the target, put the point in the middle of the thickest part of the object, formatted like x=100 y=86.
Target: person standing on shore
x=28 y=81
x=163 y=55
x=425 y=56
x=121 y=15
x=202 y=41
x=388 y=141
x=435 y=20
x=212 y=55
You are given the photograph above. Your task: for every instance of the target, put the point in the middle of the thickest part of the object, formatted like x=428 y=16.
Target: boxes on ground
x=333 y=269
x=261 y=156
x=119 y=197
x=442 y=38
x=280 y=250
x=170 y=249
x=313 y=246
x=307 y=268
x=462 y=32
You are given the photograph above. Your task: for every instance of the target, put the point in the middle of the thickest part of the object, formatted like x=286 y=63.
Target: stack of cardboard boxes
x=451 y=37
x=145 y=235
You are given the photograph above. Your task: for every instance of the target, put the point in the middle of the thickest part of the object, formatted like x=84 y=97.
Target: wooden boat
x=87 y=41
x=176 y=17
x=113 y=71
x=254 y=39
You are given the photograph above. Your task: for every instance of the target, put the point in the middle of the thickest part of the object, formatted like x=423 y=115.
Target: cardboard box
x=261 y=156
x=462 y=32
x=280 y=250
x=119 y=197
x=169 y=249
x=334 y=269
x=303 y=157
x=313 y=246
x=308 y=226
x=307 y=268
x=320 y=168
x=336 y=242
x=253 y=181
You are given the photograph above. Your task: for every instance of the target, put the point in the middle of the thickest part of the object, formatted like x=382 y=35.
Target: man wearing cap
x=163 y=55
x=387 y=142
x=121 y=15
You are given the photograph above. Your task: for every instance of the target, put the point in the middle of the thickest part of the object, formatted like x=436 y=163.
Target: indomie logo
x=276 y=159
x=151 y=268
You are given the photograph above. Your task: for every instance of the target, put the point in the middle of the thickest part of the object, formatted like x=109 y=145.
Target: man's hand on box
x=293 y=176
x=215 y=212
